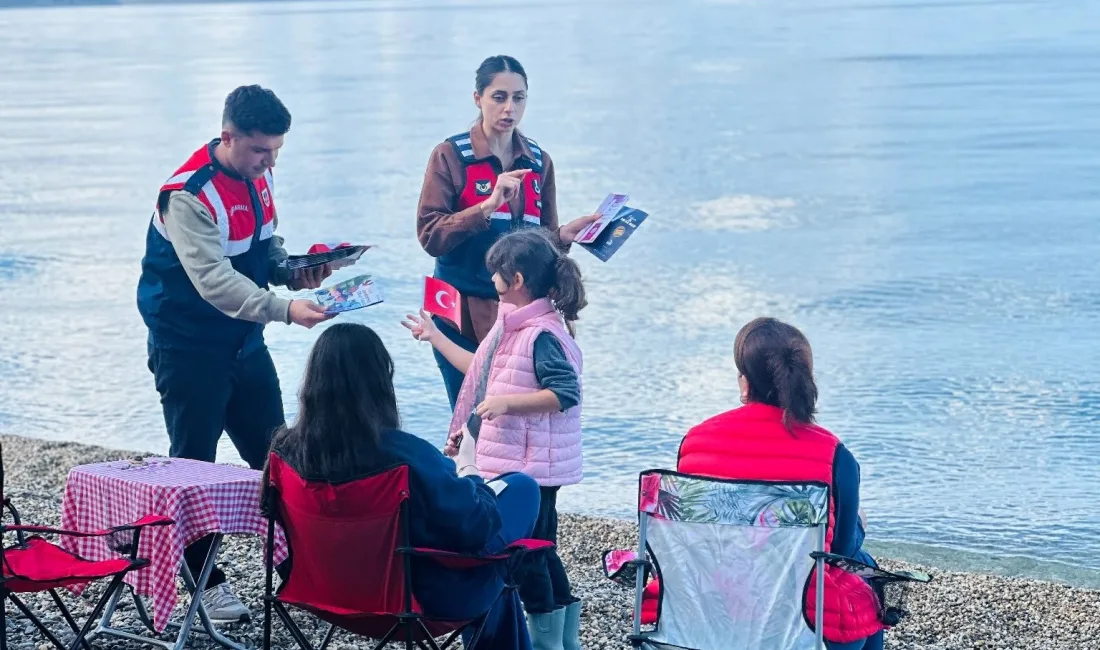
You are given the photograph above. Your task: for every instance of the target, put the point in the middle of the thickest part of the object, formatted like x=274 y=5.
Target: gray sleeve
x=554 y=372
x=197 y=241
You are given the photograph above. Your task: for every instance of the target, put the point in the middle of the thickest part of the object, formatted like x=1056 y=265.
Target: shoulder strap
x=199 y=179
x=535 y=149
x=192 y=186
x=463 y=148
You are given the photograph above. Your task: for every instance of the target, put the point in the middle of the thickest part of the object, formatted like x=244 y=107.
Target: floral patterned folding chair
x=733 y=560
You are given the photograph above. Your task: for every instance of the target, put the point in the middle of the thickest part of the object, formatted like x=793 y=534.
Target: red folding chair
x=351 y=560
x=35 y=565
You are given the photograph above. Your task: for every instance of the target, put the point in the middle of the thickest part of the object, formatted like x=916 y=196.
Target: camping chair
x=740 y=557
x=733 y=560
x=351 y=560
x=35 y=565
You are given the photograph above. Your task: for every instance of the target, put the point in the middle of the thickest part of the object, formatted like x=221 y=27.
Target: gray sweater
x=197 y=241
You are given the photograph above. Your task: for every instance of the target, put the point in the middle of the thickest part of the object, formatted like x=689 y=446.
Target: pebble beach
x=955 y=611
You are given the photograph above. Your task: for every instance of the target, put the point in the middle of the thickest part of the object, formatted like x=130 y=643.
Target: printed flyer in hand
x=356 y=293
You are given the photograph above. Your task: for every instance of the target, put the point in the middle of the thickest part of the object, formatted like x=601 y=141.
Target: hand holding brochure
x=615 y=235
x=357 y=293
x=607 y=211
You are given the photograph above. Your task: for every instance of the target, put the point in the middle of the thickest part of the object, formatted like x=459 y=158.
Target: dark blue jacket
x=446 y=512
x=176 y=315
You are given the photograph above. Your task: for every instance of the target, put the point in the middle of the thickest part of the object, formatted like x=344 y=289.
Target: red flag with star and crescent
x=442 y=300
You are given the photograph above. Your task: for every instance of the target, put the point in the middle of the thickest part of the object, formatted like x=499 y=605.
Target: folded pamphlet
x=613 y=237
x=607 y=211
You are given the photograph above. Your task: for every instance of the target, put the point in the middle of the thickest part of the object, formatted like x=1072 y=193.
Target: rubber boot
x=571 y=633
x=546 y=629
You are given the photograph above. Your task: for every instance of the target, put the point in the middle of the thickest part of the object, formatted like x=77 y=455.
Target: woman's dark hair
x=253 y=109
x=776 y=360
x=547 y=272
x=345 y=403
x=494 y=65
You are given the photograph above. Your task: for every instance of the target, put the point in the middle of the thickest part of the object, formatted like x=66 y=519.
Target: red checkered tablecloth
x=202 y=498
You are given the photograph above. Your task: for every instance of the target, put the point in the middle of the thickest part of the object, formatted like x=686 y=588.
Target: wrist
x=487 y=208
x=282 y=312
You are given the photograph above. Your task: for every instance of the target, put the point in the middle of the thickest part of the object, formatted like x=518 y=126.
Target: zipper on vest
x=257 y=209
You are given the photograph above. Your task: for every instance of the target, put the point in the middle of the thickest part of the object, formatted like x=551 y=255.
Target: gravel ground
x=956 y=610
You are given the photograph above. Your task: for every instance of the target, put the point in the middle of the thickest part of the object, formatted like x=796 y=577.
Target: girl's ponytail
x=547 y=272
x=567 y=292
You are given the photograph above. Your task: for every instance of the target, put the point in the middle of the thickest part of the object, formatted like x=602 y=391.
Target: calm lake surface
x=911 y=183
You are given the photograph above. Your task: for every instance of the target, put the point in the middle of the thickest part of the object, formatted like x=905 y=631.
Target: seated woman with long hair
x=348 y=428
x=772 y=437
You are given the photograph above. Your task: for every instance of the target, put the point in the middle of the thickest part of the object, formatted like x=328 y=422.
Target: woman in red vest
x=772 y=437
x=479 y=185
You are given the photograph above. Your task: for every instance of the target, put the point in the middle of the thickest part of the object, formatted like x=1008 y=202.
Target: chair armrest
x=20 y=538
x=453 y=560
x=868 y=572
x=530 y=545
x=11 y=508
x=148 y=520
x=621 y=565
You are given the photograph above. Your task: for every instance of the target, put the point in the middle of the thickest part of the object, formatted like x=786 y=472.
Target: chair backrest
x=343 y=539
x=733 y=558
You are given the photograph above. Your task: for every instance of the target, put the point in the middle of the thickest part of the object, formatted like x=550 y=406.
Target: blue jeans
x=873 y=642
x=452 y=378
x=519 y=509
x=505 y=624
x=481 y=588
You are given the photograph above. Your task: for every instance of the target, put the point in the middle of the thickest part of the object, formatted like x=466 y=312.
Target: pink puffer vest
x=545 y=446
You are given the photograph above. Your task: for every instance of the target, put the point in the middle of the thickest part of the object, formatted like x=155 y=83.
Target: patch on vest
x=265 y=196
x=483 y=188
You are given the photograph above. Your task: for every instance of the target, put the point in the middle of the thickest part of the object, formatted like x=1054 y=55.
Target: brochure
x=336 y=258
x=607 y=211
x=621 y=228
x=357 y=293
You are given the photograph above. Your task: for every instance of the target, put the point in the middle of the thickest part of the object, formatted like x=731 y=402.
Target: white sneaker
x=222 y=606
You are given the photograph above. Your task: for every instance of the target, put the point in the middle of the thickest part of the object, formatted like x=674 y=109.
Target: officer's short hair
x=252 y=109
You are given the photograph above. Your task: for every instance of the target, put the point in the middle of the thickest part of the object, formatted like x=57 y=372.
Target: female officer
x=479 y=185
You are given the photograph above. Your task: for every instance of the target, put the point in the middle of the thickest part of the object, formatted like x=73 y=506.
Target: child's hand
x=422 y=327
x=494 y=407
x=451 y=448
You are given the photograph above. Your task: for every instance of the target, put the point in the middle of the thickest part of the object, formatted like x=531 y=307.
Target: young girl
x=520 y=401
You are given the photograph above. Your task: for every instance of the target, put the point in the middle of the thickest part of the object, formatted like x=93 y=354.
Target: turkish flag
x=442 y=300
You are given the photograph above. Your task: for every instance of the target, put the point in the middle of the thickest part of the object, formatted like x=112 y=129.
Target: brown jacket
x=440 y=229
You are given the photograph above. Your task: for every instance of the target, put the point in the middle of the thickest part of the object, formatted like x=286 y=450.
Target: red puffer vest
x=751 y=443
